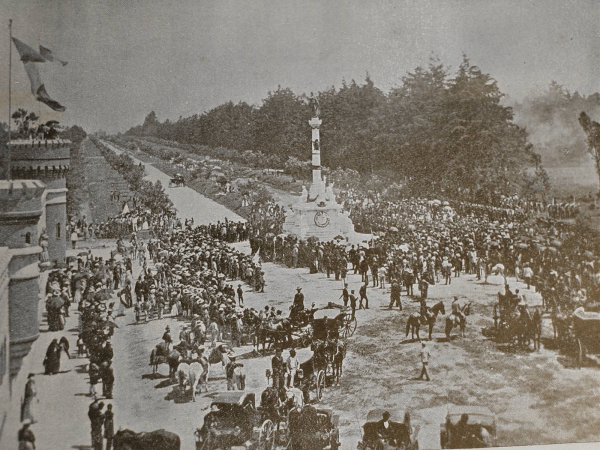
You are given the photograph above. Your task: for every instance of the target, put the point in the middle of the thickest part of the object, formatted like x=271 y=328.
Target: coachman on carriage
x=468 y=427
x=515 y=323
x=385 y=430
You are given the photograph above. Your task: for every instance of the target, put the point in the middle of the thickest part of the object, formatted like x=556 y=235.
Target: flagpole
x=9 y=95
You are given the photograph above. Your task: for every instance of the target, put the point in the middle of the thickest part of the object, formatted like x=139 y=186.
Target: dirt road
x=538 y=397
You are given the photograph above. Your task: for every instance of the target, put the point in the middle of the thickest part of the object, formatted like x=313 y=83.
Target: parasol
x=56 y=303
x=394 y=229
x=552 y=249
x=556 y=243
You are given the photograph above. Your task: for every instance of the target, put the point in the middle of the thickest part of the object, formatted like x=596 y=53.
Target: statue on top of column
x=314 y=104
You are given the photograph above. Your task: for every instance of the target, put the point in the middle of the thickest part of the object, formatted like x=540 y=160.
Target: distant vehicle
x=400 y=434
x=468 y=427
x=177 y=181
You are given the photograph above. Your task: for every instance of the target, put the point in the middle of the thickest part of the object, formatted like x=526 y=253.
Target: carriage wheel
x=266 y=436
x=348 y=326
x=320 y=385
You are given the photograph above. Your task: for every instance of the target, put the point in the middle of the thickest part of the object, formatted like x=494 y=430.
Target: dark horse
x=536 y=327
x=415 y=320
x=161 y=355
x=154 y=440
x=527 y=327
x=457 y=320
x=273 y=333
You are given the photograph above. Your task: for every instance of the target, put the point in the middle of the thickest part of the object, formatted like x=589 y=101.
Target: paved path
x=189 y=203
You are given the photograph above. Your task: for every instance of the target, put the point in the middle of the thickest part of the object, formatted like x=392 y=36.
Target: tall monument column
x=315 y=123
x=317 y=185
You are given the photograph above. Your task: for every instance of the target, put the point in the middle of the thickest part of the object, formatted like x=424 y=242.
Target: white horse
x=183 y=370
x=498 y=269
x=192 y=375
x=195 y=375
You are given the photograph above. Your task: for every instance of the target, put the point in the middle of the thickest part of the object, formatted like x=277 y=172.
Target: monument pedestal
x=323 y=222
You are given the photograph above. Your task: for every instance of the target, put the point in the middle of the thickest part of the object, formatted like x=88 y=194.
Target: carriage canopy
x=478 y=415
x=376 y=415
x=330 y=313
x=233 y=398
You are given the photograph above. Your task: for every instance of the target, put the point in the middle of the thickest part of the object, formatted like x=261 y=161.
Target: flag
x=47 y=53
x=30 y=58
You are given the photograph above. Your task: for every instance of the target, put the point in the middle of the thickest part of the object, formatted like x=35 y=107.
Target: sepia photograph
x=299 y=225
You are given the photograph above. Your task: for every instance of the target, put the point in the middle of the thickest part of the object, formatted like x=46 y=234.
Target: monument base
x=323 y=222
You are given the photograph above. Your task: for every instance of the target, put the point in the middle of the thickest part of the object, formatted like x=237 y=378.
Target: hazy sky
x=128 y=57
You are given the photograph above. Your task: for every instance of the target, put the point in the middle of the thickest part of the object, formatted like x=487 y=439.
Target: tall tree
x=592 y=131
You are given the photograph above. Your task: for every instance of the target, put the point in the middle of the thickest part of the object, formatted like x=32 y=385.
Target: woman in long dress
x=30 y=401
x=52 y=360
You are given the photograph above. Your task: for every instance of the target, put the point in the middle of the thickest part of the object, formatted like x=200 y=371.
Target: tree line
x=437 y=131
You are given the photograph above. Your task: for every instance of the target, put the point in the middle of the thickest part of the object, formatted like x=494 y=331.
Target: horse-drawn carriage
x=330 y=330
x=334 y=319
x=298 y=330
x=515 y=323
x=235 y=421
x=399 y=434
x=177 y=181
x=468 y=427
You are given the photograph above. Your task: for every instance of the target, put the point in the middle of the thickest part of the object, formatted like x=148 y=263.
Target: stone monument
x=317 y=213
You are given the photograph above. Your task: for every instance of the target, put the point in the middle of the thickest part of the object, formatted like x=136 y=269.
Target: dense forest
x=439 y=130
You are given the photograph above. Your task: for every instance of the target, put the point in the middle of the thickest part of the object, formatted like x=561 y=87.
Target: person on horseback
x=424 y=309
x=167 y=338
x=456 y=309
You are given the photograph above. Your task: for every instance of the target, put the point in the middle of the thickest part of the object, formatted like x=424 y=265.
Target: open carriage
x=586 y=332
x=177 y=181
x=399 y=435
x=468 y=427
x=335 y=321
x=234 y=421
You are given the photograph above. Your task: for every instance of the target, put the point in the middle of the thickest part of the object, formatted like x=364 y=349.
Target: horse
x=518 y=328
x=274 y=333
x=219 y=355
x=415 y=320
x=190 y=374
x=499 y=269
x=239 y=378
x=536 y=328
x=154 y=440
x=456 y=320
x=161 y=355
